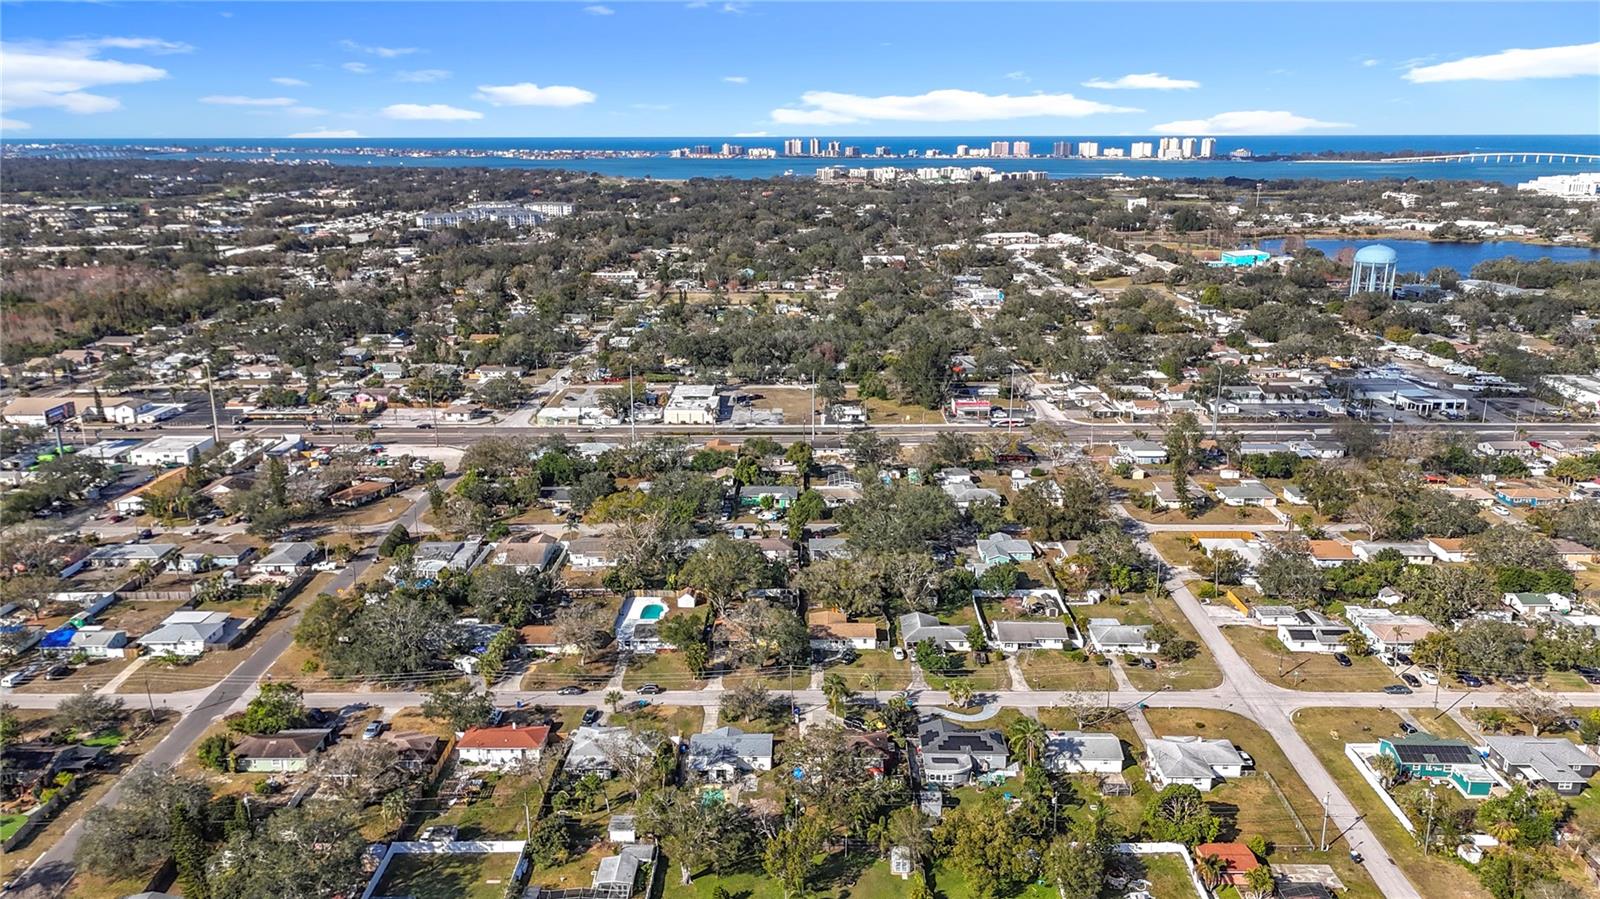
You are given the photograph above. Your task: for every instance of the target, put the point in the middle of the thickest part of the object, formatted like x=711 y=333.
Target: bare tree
x=359 y=770
x=584 y=625
x=1543 y=711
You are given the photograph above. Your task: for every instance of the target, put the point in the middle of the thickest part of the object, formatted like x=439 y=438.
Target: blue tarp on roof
x=60 y=638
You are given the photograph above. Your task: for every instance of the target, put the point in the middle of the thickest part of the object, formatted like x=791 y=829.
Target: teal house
x=1424 y=756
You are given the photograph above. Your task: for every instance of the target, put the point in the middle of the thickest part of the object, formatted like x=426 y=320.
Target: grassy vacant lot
x=498 y=814
x=888 y=412
x=559 y=671
x=681 y=720
x=665 y=669
x=468 y=875
x=1327 y=730
x=857 y=875
x=1276 y=808
x=992 y=676
x=892 y=675
x=1054 y=669
x=1306 y=670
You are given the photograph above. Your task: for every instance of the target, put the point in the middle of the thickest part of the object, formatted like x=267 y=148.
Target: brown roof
x=1237 y=859
x=1330 y=549
x=506 y=737
x=834 y=623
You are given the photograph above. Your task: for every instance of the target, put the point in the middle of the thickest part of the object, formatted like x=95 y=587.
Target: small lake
x=1424 y=255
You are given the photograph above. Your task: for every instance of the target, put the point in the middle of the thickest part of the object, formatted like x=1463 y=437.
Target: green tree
x=189 y=852
x=459 y=705
x=279 y=706
x=215 y=753
x=836 y=691
x=1179 y=814
x=793 y=854
x=87 y=713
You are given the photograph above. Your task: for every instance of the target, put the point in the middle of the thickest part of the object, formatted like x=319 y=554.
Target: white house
x=1531 y=605
x=917 y=627
x=287 y=559
x=729 y=752
x=1195 y=761
x=1012 y=636
x=1108 y=635
x=1078 y=752
x=506 y=746
x=1313 y=632
x=1388 y=632
x=190 y=633
x=173 y=449
x=832 y=630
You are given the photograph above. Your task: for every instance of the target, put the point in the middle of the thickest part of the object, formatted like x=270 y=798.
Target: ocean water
x=1425 y=255
x=480 y=152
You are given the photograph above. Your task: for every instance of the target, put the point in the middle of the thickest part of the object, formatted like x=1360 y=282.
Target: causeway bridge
x=1512 y=156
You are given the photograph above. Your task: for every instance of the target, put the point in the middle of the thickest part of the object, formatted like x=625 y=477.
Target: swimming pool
x=652 y=612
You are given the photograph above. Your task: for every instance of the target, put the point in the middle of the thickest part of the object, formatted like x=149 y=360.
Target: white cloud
x=598 y=10
x=828 y=108
x=1514 y=65
x=326 y=132
x=1256 y=121
x=382 y=52
x=736 y=79
x=306 y=110
x=148 y=44
x=1021 y=76
x=736 y=9
x=527 y=93
x=234 y=100
x=289 y=82
x=430 y=112
x=1147 y=81
x=422 y=76
x=60 y=76
x=751 y=134
x=13 y=125
x=1369 y=63
x=358 y=68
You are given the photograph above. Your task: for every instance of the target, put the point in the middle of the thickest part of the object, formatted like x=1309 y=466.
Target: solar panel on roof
x=1437 y=754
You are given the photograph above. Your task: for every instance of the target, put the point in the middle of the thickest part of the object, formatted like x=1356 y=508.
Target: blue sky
x=201 y=69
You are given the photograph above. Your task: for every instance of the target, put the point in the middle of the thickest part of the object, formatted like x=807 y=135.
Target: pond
x=1425 y=255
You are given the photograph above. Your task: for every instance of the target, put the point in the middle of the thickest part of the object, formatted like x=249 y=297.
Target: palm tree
x=1209 y=869
x=961 y=693
x=1259 y=881
x=870 y=683
x=612 y=698
x=836 y=691
x=1026 y=737
x=908 y=827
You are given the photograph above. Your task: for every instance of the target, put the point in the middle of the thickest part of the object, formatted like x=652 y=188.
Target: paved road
x=50 y=873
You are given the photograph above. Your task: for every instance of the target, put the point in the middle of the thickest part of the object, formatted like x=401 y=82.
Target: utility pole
x=527 y=820
x=211 y=388
x=631 y=433
x=1427 y=833
x=1322 y=841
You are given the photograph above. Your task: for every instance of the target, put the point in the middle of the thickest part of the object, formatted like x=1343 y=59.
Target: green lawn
x=858 y=876
x=681 y=720
x=1198 y=673
x=470 y=876
x=10 y=824
x=1306 y=670
x=1167 y=874
x=665 y=669
x=1254 y=805
x=1054 y=669
x=498 y=814
x=1327 y=730
x=563 y=670
x=992 y=676
x=893 y=675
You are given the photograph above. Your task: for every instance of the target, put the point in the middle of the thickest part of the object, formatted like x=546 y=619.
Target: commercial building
x=38 y=411
x=174 y=449
x=692 y=404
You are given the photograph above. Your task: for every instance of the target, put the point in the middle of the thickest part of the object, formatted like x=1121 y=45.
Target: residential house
x=1553 y=762
x=779 y=496
x=197 y=557
x=1197 y=761
x=286 y=751
x=539 y=554
x=1533 y=605
x=832 y=630
x=1449 y=549
x=97 y=642
x=820 y=548
x=362 y=492
x=594 y=750
x=1165 y=494
x=951 y=755
x=433 y=558
x=1574 y=554
x=190 y=633
x=917 y=627
x=542 y=638
x=591 y=553
x=1081 y=752
x=1387 y=632
x=129 y=555
x=504 y=746
x=999 y=548
x=1013 y=636
x=1414 y=553
x=287 y=559
x=133 y=502
x=1142 y=452
x=1108 y=635
x=1237 y=861
x=1330 y=553
x=1423 y=755
x=1272 y=616
x=728 y=752
x=1313 y=631
x=416 y=751
x=1246 y=493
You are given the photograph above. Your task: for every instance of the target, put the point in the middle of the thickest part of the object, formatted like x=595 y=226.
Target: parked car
x=1397 y=690
x=590 y=716
x=1342 y=659
x=373 y=730
x=1407 y=728
x=650 y=690
x=57 y=672
x=1411 y=679
x=1471 y=680
x=570 y=690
